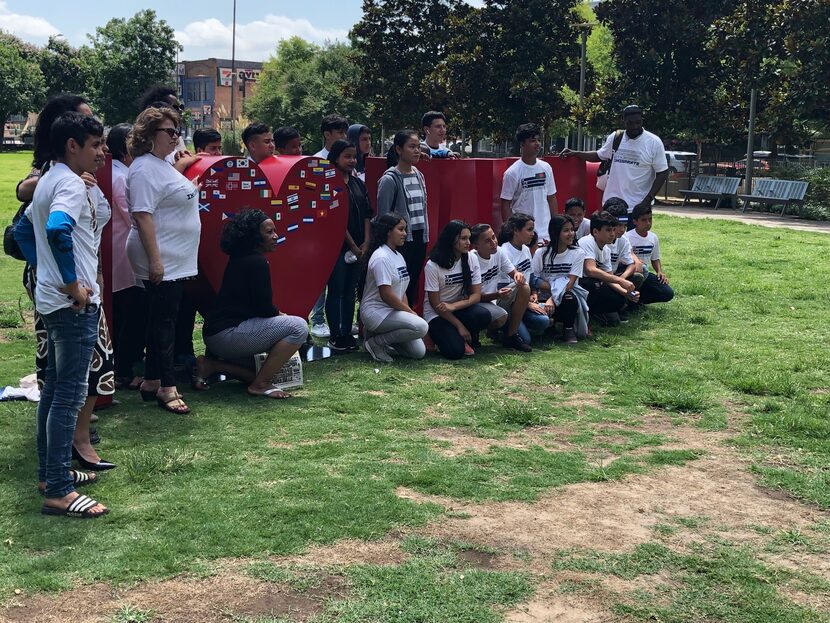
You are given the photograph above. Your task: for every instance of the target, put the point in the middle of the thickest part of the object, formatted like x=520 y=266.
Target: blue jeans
x=341 y=297
x=70 y=341
x=532 y=323
x=318 y=313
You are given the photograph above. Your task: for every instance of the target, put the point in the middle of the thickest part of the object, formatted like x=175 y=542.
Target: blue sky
x=203 y=28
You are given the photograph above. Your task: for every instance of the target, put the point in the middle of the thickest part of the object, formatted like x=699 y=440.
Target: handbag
x=605 y=166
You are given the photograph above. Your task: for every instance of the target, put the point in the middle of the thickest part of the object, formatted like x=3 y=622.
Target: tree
x=63 y=68
x=401 y=42
x=128 y=57
x=21 y=81
x=302 y=83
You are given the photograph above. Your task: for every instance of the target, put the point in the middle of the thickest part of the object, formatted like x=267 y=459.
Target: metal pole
x=753 y=99
x=582 y=57
x=233 y=70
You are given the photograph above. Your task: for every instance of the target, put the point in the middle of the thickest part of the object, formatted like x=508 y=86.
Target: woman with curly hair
x=163 y=243
x=244 y=320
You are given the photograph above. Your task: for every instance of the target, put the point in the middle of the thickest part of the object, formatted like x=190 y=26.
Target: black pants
x=652 y=291
x=446 y=337
x=602 y=299
x=341 y=297
x=129 y=322
x=565 y=312
x=185 y=324
x=414 y=253
x=163 y=307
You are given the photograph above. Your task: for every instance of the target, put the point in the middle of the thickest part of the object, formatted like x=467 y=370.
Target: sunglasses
x=171 y=132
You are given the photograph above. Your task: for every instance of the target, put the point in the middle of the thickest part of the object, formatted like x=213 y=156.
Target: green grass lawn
x=748 y=332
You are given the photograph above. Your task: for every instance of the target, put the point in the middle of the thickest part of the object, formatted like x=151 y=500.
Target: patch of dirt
x=183 y=600
x=549 y=605
x=461 y=441
x=479 y=560
x=351 y=552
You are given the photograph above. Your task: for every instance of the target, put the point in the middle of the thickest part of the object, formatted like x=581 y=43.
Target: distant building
x=205 y=89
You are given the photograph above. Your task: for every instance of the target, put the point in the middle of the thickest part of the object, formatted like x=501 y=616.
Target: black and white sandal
x=79 y=507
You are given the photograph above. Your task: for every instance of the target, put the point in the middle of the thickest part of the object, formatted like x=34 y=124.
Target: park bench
x=772 y=192
x=711 y=187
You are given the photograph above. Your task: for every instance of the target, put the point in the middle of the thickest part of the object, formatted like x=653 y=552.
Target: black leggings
x=163 y=307
x=414 y=253
x=447 y=338
x=129 y=317
x=565 y=312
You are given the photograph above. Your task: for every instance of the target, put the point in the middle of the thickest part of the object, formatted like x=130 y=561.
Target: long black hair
x=443 y=253
x=381 y=226
x=117 y=141
x=557 y=222
x=241 y=233
x=55 y=107
x=516 y=222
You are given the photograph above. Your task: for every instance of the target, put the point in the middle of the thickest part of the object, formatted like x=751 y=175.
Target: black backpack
x=605 y=165
x=10 y=246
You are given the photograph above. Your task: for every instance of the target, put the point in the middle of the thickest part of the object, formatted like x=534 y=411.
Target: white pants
x=403 y=332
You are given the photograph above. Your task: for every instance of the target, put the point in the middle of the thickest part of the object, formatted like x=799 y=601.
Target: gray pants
x=403 y=332
x=257 y=335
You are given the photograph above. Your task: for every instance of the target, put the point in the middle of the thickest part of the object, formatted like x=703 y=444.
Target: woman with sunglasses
x=163 y=243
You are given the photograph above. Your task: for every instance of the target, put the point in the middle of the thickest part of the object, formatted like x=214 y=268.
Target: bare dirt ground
x=608 y=516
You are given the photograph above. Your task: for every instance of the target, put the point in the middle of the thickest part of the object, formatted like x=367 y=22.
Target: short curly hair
x=241 y=233
x=140 y=138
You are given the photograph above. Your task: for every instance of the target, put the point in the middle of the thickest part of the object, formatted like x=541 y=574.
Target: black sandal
x=165 y=403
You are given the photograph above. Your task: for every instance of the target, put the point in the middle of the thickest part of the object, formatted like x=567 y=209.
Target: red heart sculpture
x=301 y=195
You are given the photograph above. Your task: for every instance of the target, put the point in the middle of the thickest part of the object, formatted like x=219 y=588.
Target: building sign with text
x=247 y=75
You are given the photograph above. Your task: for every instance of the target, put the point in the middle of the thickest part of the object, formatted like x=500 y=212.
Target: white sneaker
x=355 y=329
x=377 y=351
x=320 y=330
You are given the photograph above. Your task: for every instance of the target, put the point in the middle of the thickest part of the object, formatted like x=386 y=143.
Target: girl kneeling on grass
x=557 y=270
x=392 y=327
x=452 y=286
x=244 y=321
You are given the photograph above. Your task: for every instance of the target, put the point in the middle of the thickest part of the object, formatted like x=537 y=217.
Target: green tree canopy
x=22 y=86
x=302 y=83
x=128 y=57
x=64 y=69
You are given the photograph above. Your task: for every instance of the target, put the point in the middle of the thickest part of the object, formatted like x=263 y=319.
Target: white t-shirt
x=620 y=253
x=528 y=186
x=61 y=190
x=558 y=266
x=584 y=228
x=592 y=252
x=323 y=153
x=491 y=268
x=647 y=247
x=386 y=268
x=519 y=258
x=636 y=165
x=449 y=283
x=155 y=187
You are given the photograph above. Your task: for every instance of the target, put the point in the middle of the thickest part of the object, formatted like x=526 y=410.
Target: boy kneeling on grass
x=646 y=247
x=623 y=261
x=608 y=294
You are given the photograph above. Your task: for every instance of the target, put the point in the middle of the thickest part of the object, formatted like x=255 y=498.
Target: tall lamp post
x=584 y=29
x=233 y=70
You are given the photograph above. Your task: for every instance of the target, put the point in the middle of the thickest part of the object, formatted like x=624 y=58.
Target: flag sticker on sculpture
x=330 y=173
x=265 y=193
x=293 y=187
x=276 y=202
x=281 y=239
x=294 y=227
x=308 y=219
x=246 y=185
x=295 y=198
x=260 y=182
x=242 y=164
x=233 y=177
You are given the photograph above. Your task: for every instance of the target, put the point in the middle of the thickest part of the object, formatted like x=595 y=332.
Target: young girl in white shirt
x=391 y=326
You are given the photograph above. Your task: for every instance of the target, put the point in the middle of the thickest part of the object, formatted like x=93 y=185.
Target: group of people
x=541 y=268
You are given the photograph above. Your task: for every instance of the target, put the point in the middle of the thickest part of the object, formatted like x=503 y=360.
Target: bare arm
x=591 y=270
x=147 y=233
x=506 y=211
x=553 y=206
x=473 y=298
x=587 y=156
x=26 y=188
x=655 y=188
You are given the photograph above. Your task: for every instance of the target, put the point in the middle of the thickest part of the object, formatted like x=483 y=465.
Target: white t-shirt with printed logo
x=491 y=268
x=156 y=187
x=636 y=164
x=61 y=190
x=584 y=228
x=592 y=251
x=386 y=268
x=620 y=253
x=559 y=266
x=528 y=187
x=449 y=283
x=519 y=259
x=647 y=247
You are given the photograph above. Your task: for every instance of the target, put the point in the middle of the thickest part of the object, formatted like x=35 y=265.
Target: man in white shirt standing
x=638 y=169
x=527 y=185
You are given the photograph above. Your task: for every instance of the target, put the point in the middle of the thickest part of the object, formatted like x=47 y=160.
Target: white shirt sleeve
x=505 y=266
x=658 y=161
x=578 y=263
x=142 y=193
x=508 y=185
x=475 y=269
x=606 y=150
x=70 y=197
x=382 y=272
x=432 y=283
x=536 y=264
x=550 y=184
x=655 y=254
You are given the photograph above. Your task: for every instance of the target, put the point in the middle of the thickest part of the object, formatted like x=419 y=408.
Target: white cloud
x=26 y=27
x=255 y=41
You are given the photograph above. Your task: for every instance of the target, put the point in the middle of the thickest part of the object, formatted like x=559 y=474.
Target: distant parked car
x=679 y=161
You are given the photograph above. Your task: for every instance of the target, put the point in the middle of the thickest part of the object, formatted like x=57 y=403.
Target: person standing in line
x=163 y=244
x=391 y=325
x=434 y=125
x=361 y=137
x=528 y=186
x=259 y=142
x=402 y=190
x=207 y=142
x=287 y=141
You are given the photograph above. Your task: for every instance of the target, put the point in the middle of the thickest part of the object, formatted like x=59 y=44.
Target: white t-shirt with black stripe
x=559 y=266
x=386 y=268
x=620 y=253
x=495 y=265
x=519 y=258
x=647 y=247
x=449 y=283
x=592 y=251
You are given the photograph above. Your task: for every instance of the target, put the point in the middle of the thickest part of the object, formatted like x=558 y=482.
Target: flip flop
x=79 y=507
x=272 y=392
